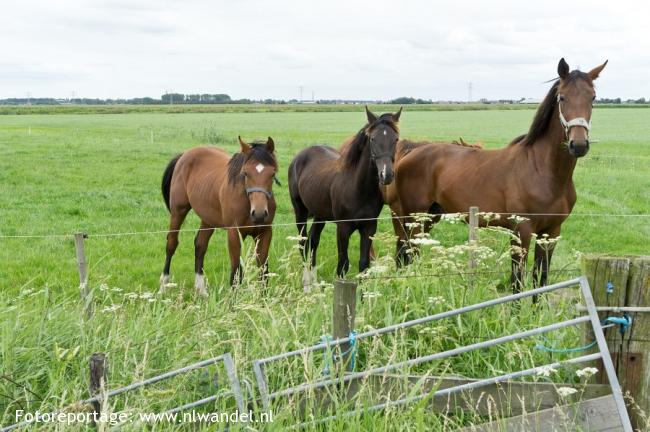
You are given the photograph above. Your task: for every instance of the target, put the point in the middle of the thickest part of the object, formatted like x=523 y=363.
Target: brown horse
x=232 y=192
x=343 y=186
x=531 y=177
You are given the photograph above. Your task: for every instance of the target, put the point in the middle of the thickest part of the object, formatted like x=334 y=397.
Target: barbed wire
x=293 y=224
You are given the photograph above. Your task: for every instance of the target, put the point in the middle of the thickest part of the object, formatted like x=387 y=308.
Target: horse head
x=575 y=97
x=259 y=169
x=383 y=134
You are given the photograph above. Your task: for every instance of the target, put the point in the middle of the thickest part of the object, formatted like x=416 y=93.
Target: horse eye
x=561 y=98
x=593 y=98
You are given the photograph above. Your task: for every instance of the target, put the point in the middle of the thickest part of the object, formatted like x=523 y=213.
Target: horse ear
x=245 y=148
x=397 y=114
x=371 y=117
x=593 y=74
x=563 y=68
x=270 y=145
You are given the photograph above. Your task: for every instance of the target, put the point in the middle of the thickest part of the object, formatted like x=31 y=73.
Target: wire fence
x=293 y=224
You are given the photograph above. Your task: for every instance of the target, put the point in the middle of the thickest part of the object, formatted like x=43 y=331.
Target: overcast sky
x=338 y=49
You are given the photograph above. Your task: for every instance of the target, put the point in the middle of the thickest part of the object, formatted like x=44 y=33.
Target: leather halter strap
x=268 y=194
x=578 y=121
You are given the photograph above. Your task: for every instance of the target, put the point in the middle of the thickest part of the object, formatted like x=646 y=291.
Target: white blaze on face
x=383 y=172
x=385 y=132
x=259 y=168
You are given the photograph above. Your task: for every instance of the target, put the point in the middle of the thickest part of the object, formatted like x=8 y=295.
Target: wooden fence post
x=625 y=282
x=473 y=235
x=98 y=380
x=86 y=297
x=343 y=315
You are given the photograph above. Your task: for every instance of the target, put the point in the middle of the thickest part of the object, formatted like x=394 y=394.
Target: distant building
x=530 y=101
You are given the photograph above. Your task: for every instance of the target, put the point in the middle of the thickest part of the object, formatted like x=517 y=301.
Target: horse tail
x=167 y=179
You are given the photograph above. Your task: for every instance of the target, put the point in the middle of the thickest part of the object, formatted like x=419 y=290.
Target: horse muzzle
x=385 y=172
x=578 y=148
x=259 y=216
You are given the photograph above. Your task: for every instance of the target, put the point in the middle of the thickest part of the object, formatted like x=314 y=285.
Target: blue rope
x=624 y=322
x=333 y=358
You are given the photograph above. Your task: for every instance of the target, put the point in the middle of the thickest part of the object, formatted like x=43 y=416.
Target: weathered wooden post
x=620 y=284
x=473 y=235
x=343 y=315
x=86 y=297
x=98 y=379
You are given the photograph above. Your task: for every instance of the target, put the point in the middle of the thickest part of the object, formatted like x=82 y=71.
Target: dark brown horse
x=233 y=192
x=327 y=184
x=531 y=177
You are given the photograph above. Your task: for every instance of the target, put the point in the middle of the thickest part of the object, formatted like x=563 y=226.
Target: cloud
x=339 y=49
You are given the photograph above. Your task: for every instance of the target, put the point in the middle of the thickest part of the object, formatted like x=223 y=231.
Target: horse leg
x=366 y=231
x=234 y=250
x=178 y=215
x=543 y=256
x=518 y=255
x=302 y=213
x=401 y=257
x=200 y=248
x=315 y=231
x=343 y=232
x=262 y=245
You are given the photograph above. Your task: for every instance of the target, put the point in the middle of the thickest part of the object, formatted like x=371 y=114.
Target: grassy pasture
x=101 y=174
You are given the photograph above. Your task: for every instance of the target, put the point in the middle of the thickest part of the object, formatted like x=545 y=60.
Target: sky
x=369 y=50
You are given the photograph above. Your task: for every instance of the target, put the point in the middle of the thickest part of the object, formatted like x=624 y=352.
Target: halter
x=578 y=121
x=268 y=194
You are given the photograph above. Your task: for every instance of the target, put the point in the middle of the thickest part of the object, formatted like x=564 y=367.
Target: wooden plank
x=505 y=399
x=343 y=315
x=634 y=367
x=594 y=415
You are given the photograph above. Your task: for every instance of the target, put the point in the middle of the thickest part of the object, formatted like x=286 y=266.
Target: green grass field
x=100 y=174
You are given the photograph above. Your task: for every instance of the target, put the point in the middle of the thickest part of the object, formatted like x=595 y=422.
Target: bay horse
x=225 y=192
x=343 y=186
x=531 y=177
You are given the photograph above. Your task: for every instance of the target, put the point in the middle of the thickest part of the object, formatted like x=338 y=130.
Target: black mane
x=352 y=152
x=258 y=153
x=545 y=111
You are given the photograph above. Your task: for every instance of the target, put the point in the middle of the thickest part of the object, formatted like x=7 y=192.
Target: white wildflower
x=117 y=289
x=424 y=241
x=436 y=300
x=111 y=309
x=412 y=225
x=296 y=238
x=587 y=372
x=103 y=287
x=517 y=219
x=371 y=294
x=146 y=295
x=453 y=218
x=545 y=371
x=566 y=391
x=131 y=295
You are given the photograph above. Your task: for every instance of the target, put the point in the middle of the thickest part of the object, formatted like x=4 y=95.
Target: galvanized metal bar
x=162 y=377
x=262 y=385
x=198 y=403
x=458 y=388
x=136 y=385
x=607 y=360
x=426 y=319
x=640 y=309
x=234 y=382
x=431 y=357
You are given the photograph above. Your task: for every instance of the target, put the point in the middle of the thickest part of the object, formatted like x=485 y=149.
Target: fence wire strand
x=286 y=224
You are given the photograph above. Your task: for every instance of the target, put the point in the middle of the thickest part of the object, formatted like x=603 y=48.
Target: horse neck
x=365 y=173
x=550 y=155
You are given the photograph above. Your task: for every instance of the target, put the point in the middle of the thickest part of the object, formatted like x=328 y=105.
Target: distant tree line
x=205 y=98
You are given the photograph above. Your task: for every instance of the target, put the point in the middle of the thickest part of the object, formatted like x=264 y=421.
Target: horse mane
x=351 y=151
x=544 y=113
x=258 y=153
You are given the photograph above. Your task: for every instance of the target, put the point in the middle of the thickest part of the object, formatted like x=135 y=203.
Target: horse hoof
x=308 y=279
x=201 y=285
